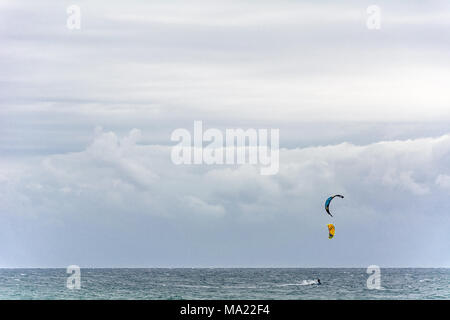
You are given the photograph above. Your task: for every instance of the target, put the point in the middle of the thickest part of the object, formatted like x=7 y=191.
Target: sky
x=86 y=117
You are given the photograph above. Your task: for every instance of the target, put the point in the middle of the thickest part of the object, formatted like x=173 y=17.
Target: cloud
x=240 y=14
x=443 y=181
x=118 y=179
x=122 y=168
x=206 y=60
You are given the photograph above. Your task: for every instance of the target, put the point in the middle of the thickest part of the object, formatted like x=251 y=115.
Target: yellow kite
x=330 y=231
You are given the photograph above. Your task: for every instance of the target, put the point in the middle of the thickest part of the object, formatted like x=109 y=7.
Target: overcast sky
x=86 y=117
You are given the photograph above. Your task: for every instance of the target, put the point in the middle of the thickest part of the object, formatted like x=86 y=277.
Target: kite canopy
x=331 y=231
x=327 y=203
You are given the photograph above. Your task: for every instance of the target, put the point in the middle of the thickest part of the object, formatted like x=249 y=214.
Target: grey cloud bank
x=112 y=197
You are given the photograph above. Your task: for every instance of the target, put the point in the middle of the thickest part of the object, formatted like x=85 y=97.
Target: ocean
x=232 y=283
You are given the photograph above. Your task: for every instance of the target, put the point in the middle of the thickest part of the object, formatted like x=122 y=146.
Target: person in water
x=318 y=281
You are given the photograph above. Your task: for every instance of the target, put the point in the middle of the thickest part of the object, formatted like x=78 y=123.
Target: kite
x=330 y=231
x=327 y=203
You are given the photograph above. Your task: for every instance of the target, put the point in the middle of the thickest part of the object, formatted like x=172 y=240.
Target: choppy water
x=224 y=284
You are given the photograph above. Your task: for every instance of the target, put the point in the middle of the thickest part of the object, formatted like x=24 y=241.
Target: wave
x=303 y=283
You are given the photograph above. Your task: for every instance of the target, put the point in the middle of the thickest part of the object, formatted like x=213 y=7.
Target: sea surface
x=234 y=283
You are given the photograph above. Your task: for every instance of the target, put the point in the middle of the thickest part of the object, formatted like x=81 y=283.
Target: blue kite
x=327 y=203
